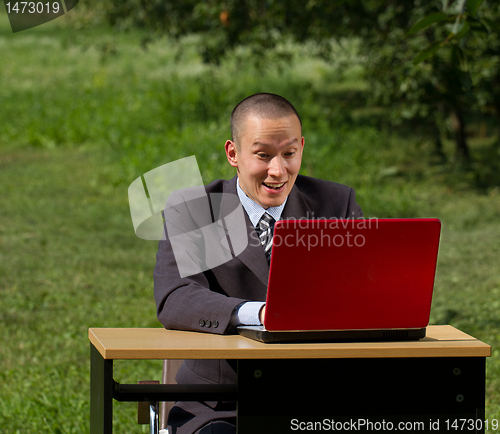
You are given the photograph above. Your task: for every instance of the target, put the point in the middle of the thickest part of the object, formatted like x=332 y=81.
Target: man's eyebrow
x=267 y=144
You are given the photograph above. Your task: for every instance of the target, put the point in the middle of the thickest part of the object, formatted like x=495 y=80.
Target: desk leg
x=101 y=393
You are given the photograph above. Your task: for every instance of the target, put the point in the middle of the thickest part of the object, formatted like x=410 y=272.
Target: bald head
x=262 y=105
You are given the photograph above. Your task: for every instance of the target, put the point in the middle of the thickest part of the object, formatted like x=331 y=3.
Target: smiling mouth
x=274 y=186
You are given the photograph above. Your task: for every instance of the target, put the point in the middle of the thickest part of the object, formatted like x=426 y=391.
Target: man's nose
x=276 y=167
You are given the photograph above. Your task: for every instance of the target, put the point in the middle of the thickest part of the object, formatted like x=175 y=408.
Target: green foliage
x=427 y=21
x=442 y=34
x=432 y=73
x=429 y=51
x=473 y=6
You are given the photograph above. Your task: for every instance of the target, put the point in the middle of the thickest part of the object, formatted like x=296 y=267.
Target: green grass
x=69 y=260
x=85 y=112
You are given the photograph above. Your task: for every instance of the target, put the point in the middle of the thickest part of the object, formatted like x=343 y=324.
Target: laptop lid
x=352 y=274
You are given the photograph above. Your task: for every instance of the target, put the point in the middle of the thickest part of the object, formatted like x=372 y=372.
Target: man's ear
x=231 y=153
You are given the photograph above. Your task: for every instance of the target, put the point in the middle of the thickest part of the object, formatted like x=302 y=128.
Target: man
x=266 y=149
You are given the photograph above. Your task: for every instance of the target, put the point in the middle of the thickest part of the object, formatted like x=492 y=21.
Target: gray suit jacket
x=205 y=301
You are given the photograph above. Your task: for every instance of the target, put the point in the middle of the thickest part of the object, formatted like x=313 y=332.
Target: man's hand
x=262 y=313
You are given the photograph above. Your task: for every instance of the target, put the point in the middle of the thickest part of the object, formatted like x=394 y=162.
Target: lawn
x=85 y=112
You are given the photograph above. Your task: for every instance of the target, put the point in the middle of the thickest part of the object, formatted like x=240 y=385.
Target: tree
x=423 y=73
x=419 y=54
x=439 y=84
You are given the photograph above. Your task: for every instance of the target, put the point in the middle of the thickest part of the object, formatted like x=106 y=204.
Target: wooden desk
x=438 y=378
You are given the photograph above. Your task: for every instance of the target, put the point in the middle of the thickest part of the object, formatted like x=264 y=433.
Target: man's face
x=268 y=158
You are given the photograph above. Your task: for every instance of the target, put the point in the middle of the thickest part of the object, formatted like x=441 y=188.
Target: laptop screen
x=352 y=274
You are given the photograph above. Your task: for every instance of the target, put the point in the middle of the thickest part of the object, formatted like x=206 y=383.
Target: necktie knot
x=265 y=230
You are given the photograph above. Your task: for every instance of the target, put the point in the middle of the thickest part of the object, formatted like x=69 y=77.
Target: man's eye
x=262 y=155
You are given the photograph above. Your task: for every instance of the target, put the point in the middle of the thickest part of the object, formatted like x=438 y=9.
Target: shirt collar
x=254 y=210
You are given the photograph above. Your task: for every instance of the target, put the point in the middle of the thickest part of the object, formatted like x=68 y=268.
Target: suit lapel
x=253 y=256
x=296 y=207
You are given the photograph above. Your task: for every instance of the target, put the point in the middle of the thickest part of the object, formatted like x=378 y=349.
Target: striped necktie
x=265 y=231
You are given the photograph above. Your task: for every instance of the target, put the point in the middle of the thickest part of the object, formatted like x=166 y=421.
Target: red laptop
x=359 y=279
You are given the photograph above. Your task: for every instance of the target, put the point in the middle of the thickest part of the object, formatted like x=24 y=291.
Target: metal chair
x=154 y=413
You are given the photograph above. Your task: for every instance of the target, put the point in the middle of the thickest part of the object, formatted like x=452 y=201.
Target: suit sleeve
x=353 y=209
x=189 y=302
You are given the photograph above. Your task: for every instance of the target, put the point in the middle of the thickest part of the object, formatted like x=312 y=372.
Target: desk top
x=158 y=343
